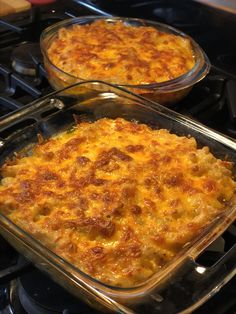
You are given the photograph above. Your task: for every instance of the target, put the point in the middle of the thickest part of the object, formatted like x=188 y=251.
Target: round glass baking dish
x=167 y=92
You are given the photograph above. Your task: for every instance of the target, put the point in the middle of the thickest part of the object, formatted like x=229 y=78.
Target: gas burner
x=46 y=296
x=23 y=58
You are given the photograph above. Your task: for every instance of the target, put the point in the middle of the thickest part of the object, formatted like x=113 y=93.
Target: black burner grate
x=19 y=34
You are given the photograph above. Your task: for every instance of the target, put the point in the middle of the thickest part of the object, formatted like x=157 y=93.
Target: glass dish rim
x=197 y=73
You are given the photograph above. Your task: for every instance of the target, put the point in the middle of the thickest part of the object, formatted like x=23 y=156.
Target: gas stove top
x=23 y=79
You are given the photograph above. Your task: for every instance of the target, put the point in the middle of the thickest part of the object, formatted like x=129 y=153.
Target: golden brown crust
x=121 y=54
x=116 y=198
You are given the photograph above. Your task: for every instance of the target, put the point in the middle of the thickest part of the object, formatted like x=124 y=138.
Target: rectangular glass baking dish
x=182 y=285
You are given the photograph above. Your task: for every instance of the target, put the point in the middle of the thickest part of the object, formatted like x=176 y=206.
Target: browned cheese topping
x=120 y=53
x=116 y=198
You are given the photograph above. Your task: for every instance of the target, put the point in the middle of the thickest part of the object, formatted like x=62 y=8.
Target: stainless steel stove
x=23 y=289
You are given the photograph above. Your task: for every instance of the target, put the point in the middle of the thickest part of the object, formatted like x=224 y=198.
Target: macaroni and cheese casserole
x=120 y=53
x=116 y=198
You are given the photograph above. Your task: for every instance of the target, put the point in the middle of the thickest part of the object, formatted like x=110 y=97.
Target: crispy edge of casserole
x=121 y=54
x=115 y=198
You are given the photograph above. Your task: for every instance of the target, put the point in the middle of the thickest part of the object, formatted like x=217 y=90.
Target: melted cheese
x=121 y=54
x=116 y=198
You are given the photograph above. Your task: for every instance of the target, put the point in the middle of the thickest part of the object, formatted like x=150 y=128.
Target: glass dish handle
x=191 y=286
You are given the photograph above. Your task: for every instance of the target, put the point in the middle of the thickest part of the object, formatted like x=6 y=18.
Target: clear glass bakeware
x=167 y=92
x=182 y=285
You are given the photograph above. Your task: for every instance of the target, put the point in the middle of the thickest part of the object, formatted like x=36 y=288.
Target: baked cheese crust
x=116 y=198
x=120 y=53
